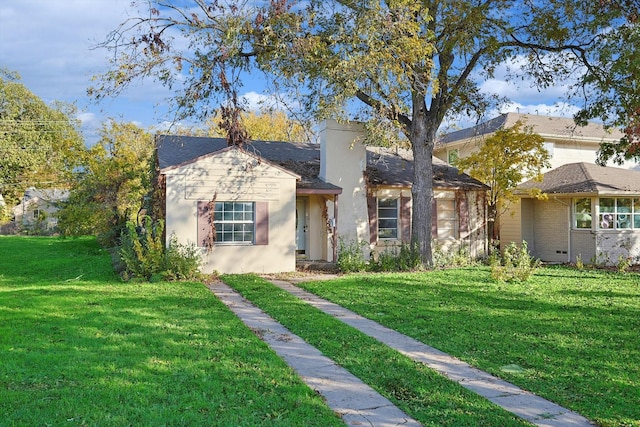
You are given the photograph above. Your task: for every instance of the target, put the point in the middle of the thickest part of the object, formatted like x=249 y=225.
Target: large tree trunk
x=422 y=136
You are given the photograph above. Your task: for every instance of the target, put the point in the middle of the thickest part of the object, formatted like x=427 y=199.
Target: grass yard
x=423 y=394
x=570 y=336
x=79 y=347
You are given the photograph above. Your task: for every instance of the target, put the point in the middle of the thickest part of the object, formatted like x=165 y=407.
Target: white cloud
x=510 y=81
x=49 y=42
x=559 y=109
x=259 y=102
x=86 y=117
x=51 y=45
x=255 y=101
x=522 y=95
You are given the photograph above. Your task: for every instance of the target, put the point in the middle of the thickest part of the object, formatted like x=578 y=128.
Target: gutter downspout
x=335 y=228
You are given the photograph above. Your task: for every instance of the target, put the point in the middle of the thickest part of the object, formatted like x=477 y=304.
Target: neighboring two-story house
x=591 y=212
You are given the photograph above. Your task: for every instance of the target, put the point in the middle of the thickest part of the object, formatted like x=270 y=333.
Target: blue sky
x=49 y=43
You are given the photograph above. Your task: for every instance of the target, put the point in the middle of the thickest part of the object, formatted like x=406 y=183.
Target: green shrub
x=624 y=263
x=142 y=249
x=182 y=261
x=409 y=258
x=386 y=262
x=350 y=256
x=456 y=257
x=145 y=257
x=516 y=264
x=404 y=258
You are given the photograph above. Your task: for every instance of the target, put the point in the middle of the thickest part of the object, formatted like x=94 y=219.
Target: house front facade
x=261 y=207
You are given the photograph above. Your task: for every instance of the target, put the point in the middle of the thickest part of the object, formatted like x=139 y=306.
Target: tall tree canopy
x=39 y=143
x=612 y=85
x=410 y=63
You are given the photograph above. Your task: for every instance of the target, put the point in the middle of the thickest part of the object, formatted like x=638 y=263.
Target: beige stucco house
x=276 y=202
x=556 y=229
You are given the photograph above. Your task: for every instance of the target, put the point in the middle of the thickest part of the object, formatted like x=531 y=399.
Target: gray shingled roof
x=575 y=178
x=384 y=167
x=543 y=125
x=301 y=159
x=48 y=194
x=395 y=168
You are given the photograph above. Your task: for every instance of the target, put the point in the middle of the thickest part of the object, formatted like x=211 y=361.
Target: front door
x=301 y=228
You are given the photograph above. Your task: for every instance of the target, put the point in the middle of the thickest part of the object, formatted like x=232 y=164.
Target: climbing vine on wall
x=210 y=239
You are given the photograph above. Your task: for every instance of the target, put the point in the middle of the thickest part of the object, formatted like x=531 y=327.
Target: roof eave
x=213 y=153
x=318 y=191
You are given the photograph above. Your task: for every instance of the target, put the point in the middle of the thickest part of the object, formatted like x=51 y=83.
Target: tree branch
x=389 y=113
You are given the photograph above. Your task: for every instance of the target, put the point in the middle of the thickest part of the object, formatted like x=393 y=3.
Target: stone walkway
x=357 y=403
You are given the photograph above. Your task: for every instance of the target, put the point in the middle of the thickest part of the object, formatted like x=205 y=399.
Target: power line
x=34 y=121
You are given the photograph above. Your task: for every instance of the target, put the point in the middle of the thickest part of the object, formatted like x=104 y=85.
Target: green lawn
x=79 y=347
x=423 y=394
x=574 y=334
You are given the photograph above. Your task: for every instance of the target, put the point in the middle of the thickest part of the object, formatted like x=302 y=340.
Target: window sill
x=231 y=244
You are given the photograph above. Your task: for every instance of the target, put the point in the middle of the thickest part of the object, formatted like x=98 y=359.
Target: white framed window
x=234 y=222
x=387 y=218
x=582 y=213
x=618 y=213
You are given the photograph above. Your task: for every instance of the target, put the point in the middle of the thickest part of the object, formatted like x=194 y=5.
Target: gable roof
x=586 y=178
x=34 y=197
x=301 y=159
x=543 y=125
x=49 y=195
x=384 y=166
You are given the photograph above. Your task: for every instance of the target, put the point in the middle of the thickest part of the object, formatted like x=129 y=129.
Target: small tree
x=110 y=187
x=504 y=160
x=144 y=255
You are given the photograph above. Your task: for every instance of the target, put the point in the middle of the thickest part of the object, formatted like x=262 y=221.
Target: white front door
x=301 y=227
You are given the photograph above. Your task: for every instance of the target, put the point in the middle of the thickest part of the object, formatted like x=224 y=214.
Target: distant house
x=38 y=208
x=591 y=212
x=275 y=202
